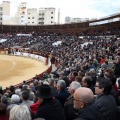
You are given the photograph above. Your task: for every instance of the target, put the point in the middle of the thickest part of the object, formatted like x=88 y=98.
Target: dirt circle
x=15 y=69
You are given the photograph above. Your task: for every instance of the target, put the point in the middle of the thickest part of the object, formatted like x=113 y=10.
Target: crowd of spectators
x=85 y=85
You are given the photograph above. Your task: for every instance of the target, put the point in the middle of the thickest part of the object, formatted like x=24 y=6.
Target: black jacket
x=107 y=107
x=117 y=70
x=50 y=110
x=90 y=112
x=62 y=96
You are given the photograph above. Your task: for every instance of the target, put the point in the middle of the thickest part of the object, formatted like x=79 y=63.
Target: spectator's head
x=61 y=85
x=82 y=97
x=118 y=60
x=15 y=98
x=12 y=88
x=4 y=99
x=18 y=91
x=86 y=81
x=75 y=74
x=25 y=95
x=3 y=108
x=78 y=79
x=103 y=86
x=20 y=112
x=92 y=71
x=73 y=86
x=7 y=94
x=104 y=66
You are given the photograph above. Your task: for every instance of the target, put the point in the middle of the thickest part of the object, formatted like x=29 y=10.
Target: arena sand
x=15 y=69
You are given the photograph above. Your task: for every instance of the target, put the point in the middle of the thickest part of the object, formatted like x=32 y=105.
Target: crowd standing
x=85 y=85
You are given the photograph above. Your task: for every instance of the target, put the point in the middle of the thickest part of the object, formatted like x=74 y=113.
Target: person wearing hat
x=50 y=108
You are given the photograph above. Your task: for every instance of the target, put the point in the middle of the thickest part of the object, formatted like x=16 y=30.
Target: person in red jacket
x=34 y=107
x=102 y=60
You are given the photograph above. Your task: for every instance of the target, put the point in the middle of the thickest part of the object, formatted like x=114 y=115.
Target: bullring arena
x=15 y=69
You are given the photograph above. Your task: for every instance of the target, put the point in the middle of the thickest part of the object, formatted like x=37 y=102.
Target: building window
x=22 y=21
x=51 y=12
x=22 y=16
x=0 y=8
x=41 y=23
x=32 y=17
x=51 y=17
x=0 y=18
x=32 y=22
x=39 y=14
x=51 y=21
x=43 y=14
x=41 y=19
x=28 y=22
x=29 y=13
x=28 y=17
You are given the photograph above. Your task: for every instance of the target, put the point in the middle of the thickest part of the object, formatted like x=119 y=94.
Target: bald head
x=84 y=94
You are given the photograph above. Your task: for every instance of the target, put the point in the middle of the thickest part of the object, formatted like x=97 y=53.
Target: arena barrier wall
x=36 y=57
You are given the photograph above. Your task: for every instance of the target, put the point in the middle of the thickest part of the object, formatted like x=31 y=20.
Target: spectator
x=117 y=68
x=25 y=98
x=87 y=82
x=70 y=112
x=20 y=112
x=84 y=102
x=15 y=100
x=78 y=79
x=3 y=112
x=104 y=100
x=50 y=109
x=62 y=93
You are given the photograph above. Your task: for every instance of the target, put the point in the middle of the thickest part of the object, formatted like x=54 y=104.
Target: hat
x=45 y=91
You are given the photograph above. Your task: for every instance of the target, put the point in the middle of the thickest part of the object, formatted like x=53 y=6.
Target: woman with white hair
x=20 y=112
x=15 y=100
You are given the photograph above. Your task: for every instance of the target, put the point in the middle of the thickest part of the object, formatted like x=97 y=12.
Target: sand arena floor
x=15 y=69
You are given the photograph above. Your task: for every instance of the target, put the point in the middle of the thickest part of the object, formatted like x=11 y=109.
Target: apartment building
x=1 y=14
x=9 y=13
x=46 y=16
x=32 y=18
x=23 y=13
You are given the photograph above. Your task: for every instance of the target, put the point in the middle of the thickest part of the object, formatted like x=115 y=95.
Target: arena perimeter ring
x=15 y=69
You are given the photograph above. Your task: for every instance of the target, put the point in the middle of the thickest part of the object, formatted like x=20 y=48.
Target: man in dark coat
x=50 y=108
x=117 y=68
x=104 y=100
x=62 y=93
x=84 y=102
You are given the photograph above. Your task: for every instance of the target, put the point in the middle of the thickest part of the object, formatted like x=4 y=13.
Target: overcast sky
x=77 y=8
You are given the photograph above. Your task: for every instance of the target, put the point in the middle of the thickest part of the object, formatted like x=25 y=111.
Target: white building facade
x=9 y=13
x=46 y=16
x=32 y=18
x=23 y=13
x=1 y=14
x=12 y=14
